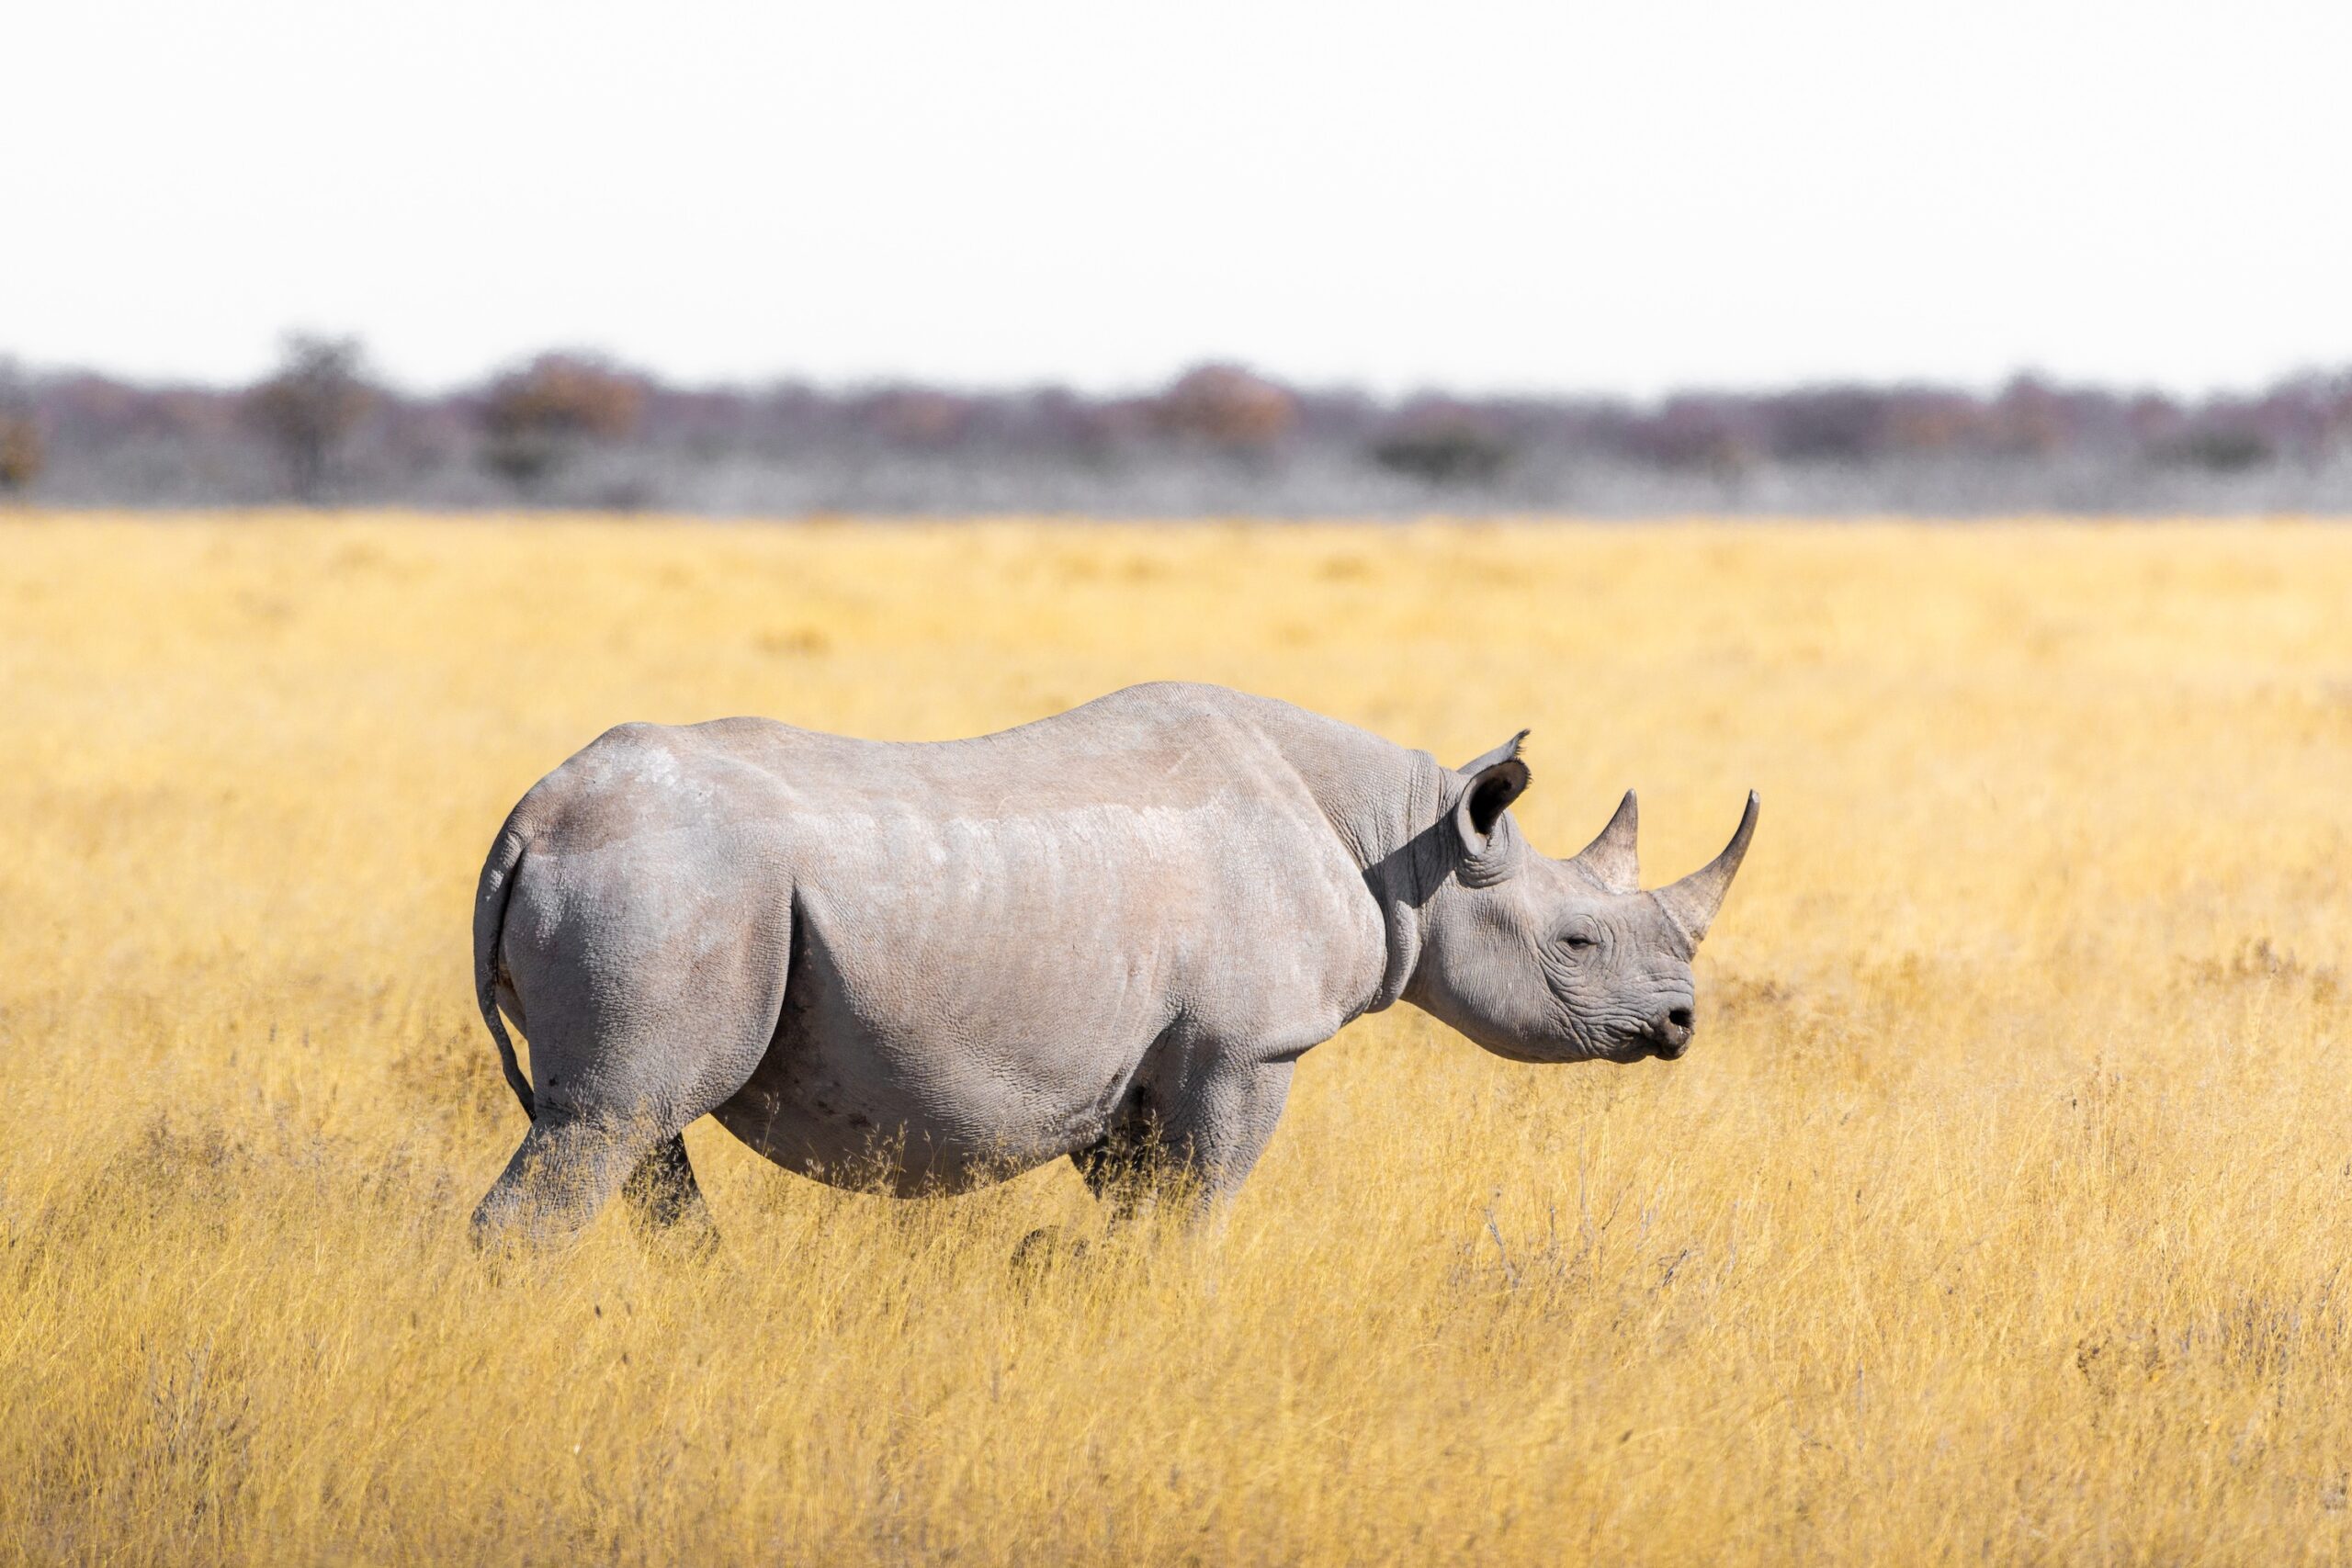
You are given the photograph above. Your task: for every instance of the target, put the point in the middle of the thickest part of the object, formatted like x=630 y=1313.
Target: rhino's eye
x=1577 y=942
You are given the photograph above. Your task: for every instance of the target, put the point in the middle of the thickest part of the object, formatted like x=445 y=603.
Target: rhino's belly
x=921 y=1115
x=944 y=1029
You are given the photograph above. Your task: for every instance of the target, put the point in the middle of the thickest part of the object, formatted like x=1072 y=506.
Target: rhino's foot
x=1044 y=1249
x=562 y=1175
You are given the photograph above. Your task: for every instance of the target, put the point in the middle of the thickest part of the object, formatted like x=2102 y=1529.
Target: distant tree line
x=574 y=429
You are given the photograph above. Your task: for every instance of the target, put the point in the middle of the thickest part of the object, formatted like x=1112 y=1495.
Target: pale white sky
x=1598 y=196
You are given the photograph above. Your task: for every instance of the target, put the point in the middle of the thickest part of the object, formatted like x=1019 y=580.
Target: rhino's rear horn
x=1612 y=858
x=1691 y=903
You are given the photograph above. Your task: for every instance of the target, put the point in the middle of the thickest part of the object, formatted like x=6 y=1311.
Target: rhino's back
x=1153 y=749
x=1162 y=746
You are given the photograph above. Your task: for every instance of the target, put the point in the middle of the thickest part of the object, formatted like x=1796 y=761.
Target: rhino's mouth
x=1647 y=1050
x=1640 y=1048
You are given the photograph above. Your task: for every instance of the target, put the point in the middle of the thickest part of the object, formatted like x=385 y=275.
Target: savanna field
x=2000 y=1214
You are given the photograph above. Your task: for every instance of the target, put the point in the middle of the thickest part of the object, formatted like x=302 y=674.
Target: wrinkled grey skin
x=1103 y=935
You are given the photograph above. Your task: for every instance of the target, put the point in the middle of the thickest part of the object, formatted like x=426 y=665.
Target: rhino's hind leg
x=667 y=1201
x=648 y=1013
x=564 y=1173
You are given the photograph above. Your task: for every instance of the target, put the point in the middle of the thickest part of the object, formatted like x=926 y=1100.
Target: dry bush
x=308 y=408
x=21 y=451
x=1443 y=445
x=1996 y=1215
x=24 y=448
x=1227 y=407
x=535 y=420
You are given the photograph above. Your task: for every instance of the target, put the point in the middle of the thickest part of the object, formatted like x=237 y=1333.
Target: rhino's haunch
x=928 y=966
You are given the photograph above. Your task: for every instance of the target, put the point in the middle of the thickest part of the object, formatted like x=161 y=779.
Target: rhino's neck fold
x=1400 y=837
x=1390 y=809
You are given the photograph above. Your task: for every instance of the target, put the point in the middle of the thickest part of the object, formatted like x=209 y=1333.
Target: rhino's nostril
x=1681 y=1017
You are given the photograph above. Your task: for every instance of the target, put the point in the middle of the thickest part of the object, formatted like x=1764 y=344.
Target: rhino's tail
x=490 y=925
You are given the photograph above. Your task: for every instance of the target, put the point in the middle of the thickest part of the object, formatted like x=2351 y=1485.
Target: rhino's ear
x=1480 y=810
x=1502 y=753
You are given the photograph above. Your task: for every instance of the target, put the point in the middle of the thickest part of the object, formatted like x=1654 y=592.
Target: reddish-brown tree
x=535 y=420
x=1226 y=406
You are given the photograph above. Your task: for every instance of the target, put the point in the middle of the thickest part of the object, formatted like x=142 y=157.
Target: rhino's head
x=1542 y=960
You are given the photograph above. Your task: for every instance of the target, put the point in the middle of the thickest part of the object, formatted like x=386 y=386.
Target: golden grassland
x=2000 y=1215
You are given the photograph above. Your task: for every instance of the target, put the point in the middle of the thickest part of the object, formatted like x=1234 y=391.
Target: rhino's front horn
x=1612 y=857
x=1691 y=903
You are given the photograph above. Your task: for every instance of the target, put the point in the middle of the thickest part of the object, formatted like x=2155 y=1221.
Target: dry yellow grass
x=1999 y=1213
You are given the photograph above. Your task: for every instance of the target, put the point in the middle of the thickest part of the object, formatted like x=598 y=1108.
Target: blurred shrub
x=1228 y=407
x=1829 y=424
x=21 y=448
x=1926 y=422
x=917 y=417
x=2030 y=419
x=2220 y=448
x=1711 y=433
x=21 y=451
x=307 y=409
x=1442 y=447
x=535 y=420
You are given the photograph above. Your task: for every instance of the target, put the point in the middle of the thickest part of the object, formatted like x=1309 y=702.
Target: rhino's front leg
x=1199 y=1135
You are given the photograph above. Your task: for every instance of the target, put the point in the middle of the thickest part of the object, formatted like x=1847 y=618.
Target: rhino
x=1106 y=936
